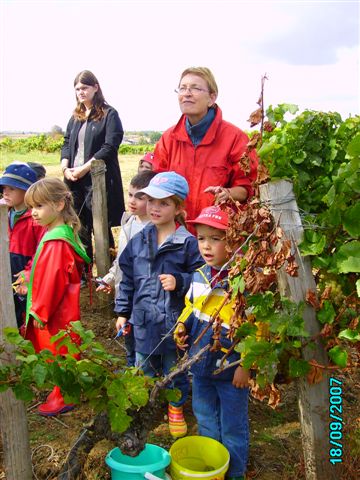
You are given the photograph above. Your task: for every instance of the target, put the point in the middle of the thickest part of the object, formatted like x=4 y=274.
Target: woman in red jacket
x=203 y=147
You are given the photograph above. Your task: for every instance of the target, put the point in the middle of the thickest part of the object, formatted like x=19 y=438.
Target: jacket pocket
x=216 y=175
x=138 y=320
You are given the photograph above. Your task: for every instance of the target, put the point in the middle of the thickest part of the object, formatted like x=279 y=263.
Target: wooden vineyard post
x=313 y=400
x=13 y=419
x=100 y=217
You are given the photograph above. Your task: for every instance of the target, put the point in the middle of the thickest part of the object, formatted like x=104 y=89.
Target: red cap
x=213 y=217
x=148 y=157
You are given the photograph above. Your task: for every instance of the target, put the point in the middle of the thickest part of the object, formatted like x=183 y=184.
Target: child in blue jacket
x=157 y=265
x=220 y=402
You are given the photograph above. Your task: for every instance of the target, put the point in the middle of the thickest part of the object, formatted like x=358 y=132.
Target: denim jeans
x=221 y=411
x=130 y=348
x=157 y=365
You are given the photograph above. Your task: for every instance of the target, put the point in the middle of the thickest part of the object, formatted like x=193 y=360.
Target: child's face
x=14 y=197
x=48 y=215
x=144 y=166
x=136 y=205
x=162 y=211
x=212 y=243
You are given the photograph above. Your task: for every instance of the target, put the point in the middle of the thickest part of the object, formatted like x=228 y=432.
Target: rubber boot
x=177 y=423
x=54 y=404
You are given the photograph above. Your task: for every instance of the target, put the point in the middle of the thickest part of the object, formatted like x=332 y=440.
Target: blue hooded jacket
x=153 y=311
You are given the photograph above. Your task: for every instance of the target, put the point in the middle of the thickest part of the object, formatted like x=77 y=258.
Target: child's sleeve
x=124 y=299
x=38 y=232
x=185 y=319
x=193 y=261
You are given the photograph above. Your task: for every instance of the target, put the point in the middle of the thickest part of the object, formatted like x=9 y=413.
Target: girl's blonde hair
x=181 y=216
x=51 y=191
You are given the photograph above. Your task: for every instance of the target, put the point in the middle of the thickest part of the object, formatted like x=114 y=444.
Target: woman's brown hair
x=99 y=104
x=51 y=191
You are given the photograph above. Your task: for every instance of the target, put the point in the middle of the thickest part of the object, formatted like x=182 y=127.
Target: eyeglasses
x=191 y=90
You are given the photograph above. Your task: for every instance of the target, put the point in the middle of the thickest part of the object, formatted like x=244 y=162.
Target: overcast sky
x=137 y=50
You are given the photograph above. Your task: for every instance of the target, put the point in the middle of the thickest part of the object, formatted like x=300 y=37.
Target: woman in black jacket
x=94 y=132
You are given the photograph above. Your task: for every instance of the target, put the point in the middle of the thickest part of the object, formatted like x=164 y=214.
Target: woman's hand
x=68 y=174
x=168 y=282
x=222 y=194
x=241 y=378
x=79 y=172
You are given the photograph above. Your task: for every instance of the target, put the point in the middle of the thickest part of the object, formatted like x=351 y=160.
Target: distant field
x=51 y=161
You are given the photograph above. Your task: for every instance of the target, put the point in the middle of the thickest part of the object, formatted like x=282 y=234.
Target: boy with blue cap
x=24 y=233
x=157 y=265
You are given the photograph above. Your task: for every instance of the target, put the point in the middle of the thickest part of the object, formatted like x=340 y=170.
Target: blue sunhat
x=166 y=184
x=18 y=175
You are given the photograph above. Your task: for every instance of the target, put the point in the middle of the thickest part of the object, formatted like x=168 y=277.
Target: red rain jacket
x=24 y=238
x=55 y=293
x=214 y=162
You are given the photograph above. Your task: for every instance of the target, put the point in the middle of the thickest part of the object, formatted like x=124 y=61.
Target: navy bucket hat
x=18 y=175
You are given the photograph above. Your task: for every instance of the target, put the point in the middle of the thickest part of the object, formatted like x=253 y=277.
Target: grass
x=51 y=161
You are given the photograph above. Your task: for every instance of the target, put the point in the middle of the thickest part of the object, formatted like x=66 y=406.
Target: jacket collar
x=177 y=238
x=179 y=132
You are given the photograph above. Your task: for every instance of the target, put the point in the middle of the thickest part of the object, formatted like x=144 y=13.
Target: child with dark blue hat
x=24 y=232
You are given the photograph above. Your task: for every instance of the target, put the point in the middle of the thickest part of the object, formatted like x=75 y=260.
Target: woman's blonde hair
x=51 y=191
x=204 y=73
x=99 y=104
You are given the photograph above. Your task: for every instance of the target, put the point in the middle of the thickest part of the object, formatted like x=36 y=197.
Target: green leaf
x=298 y=367
x=351 y=264
x=339 y=356
x=351 y=220
x=238 y=285
x=23 y=392
x=39 y=374
x=313 y=243
x=119 y=419
x=351 y=335
x=327 y=313
x=246 y=329
x=136 y=390
x=172 y=394
x=353 y=148
x=358 y=287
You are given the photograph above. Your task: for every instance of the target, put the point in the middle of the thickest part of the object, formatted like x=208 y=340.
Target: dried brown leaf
x=255 y=117
x=315 y=375
x=311 y=299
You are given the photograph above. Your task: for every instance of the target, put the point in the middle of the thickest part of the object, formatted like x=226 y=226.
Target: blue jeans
x=157 y=365
x=129 y=341
x=221 y=411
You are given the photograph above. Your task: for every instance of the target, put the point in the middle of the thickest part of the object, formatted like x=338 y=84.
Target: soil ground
x=275 y=443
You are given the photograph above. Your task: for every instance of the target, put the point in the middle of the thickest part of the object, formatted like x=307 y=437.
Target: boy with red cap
x=146 y=163
x=220 y=402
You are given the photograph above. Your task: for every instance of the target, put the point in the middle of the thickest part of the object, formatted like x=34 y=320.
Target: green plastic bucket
x=197 y=457
x=152 y=459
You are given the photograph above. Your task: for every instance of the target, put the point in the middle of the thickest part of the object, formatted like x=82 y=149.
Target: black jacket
x=102 y=140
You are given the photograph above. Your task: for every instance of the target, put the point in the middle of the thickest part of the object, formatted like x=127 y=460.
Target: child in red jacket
x=24 y=232
x=54 y=286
